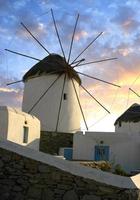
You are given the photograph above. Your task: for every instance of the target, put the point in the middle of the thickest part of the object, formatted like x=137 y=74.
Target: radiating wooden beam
x=87 y=47
x=79 y=104
x=94 y=98
x=57 y=33
x=92 y=77
x=83 y=59
x=14 y=82
x=96 y=61
x=21 y=54
x=134 y=92
x=35 y=38
x=73 y=38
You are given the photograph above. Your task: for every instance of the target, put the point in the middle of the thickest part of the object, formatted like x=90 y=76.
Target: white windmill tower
x=52 y=87
x=49 y=94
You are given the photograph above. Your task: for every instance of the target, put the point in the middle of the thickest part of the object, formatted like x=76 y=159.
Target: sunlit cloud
x=125 y=18
x=2 y=89
x=81 y=34
x=38 y=29
x=125 y=51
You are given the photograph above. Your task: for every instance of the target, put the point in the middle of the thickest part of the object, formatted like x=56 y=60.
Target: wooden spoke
x=134 y=92
x=73 y=38
x=98 y=79
x=94 y=98
x=83 y=59
x=14 y=82
x=35 y=38
x=96 y=61
x=60 y=105
x=58 y=34
x=79 y=104
x=43 y=94
x=21 y=54
x=78 y=63
x=87 y=47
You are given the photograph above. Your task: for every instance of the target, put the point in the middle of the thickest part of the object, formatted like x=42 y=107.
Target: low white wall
x=124 y=148
x=73 y=168
x=12 y=122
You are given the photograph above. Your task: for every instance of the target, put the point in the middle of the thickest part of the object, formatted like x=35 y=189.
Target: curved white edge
x=136 y=180
x=74 y=168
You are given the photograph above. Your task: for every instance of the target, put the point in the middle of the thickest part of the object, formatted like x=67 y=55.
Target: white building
x=42 y=95
x=129 y=121
x=121 y=147
x=19 y=127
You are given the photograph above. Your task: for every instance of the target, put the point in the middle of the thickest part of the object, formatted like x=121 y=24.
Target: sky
x=119 y=20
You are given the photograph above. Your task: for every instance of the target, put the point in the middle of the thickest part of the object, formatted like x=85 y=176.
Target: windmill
x=51 y=90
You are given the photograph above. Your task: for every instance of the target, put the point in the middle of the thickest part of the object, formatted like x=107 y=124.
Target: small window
x=120 y=124
x=65 y=96
x=25 y=134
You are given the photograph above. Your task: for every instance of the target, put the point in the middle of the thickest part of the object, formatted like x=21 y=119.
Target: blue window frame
x=101 y=153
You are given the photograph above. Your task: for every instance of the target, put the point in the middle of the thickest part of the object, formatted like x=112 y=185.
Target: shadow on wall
x=34 y=144
x=51 y=142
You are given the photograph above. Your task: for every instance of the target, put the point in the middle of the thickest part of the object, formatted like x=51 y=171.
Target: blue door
x=68 y=153
x=101 y=153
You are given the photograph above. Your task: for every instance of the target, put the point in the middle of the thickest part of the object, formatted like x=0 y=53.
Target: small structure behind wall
x=19 y=127
x=129 y=121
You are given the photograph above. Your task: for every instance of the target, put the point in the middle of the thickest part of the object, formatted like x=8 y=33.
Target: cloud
x=37 y=29
x=9 y=95
x=81 y=34
x=8 y=90
x=11 y=98
x=125 y=51
x=125 y=18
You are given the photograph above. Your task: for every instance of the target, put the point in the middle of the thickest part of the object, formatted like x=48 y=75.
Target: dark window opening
x=120 y=124
x=25 y=134
x=65 y=96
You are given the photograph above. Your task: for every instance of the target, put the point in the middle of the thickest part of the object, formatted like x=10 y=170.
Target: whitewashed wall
x=75 y=168
x=47 y=109
x=128 y=127
x=12 y=122
x=124 y=148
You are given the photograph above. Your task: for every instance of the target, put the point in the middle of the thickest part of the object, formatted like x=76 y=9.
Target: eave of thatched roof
x=52 y=64
x=130 y=115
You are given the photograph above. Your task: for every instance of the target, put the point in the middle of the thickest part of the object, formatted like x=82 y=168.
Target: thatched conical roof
x=52 y=64
x=130 y=115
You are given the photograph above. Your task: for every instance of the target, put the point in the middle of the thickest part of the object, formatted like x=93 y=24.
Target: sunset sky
x=120 y=22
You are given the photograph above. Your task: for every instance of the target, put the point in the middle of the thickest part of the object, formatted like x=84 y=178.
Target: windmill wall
x=48 y=107
x=28 y=174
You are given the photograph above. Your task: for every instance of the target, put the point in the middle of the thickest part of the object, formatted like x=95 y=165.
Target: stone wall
x=50 y=142
x=23 y=178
